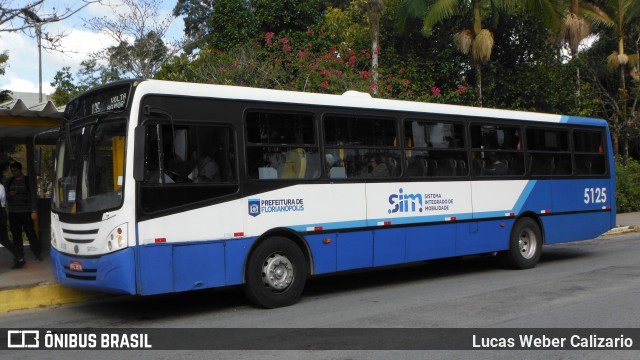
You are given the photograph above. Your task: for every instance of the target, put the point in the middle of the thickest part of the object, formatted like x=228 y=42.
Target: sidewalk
x=34 y=285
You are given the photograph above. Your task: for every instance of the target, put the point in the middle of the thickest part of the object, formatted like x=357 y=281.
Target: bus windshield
x=89 y=167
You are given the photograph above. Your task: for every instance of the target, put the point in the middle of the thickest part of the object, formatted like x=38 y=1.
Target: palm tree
x=375 y=9
x=620 y=15
x=575 y=27
x=478 y=40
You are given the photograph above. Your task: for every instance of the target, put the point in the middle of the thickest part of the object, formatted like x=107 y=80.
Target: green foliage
x=231 y=24
x=5 y=95
x=285 y=16
x=140 y=59
x=527 y=73
x=349 y=26
x=627 y=185
x=93 y=74
x=309 y=62
x=4 y=57
x=65 y=87
x=195 y=14
x=227 y=24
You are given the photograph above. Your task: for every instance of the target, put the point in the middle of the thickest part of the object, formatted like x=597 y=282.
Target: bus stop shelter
x=31 y=127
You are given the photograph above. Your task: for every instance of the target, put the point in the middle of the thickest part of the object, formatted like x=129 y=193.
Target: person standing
x=4 y=236
x=22 y=211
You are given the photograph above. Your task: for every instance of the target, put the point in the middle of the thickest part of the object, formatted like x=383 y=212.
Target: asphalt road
x=590 y=284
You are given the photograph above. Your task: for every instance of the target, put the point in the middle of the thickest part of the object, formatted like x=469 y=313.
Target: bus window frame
x=246 y=145
x=529 y=154
x=397 y=148
x=464 y=149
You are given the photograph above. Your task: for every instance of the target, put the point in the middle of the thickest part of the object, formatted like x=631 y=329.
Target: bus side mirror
x=138 y=153
x=37 y=160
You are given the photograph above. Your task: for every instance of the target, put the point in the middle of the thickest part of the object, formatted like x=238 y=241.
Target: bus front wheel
x=276 y=273
x=525 y=245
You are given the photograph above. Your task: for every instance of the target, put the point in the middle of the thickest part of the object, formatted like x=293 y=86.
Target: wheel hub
x=277 y=272
x=527 y=244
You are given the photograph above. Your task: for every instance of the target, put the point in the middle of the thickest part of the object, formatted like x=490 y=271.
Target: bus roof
x=347 y=100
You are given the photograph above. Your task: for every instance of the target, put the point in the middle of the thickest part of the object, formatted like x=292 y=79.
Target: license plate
x=75 y=265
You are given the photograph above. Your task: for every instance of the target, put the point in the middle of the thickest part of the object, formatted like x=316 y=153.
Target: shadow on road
x=134 y=309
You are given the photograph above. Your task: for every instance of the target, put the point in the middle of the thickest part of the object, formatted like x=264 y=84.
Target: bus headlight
x=117 y=238
x=54 y=242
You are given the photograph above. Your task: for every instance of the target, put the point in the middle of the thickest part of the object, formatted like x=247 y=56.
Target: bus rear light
x=384 y=223
x=160 y=240
x=314 y=228
x=452 y=218
x=545 y=211
x=606 y=207
x=510 y=214
x=238 y=234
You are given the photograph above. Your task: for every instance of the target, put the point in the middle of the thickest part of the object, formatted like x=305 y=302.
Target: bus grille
x=79 y=236
x=86 y=274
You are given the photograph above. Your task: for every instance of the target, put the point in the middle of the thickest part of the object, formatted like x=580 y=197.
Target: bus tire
x=525 y=245
x=275 y=274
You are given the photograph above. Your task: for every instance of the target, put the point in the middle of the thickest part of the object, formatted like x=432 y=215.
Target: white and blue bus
x=165 y=187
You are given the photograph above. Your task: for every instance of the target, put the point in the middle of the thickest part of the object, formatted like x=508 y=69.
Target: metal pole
x=39 y=34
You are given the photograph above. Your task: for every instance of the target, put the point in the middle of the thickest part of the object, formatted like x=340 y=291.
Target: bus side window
x=588 y=152
x=496 y=150
x=357 y=143
x=187 y=163
x=281 y=145
x=435 y=148
x=548 y=151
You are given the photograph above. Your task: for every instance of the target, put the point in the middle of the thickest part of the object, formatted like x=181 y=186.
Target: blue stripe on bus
x=526 y=192
x=578 y=120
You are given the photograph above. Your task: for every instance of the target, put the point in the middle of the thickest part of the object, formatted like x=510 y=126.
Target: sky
x=22 y=72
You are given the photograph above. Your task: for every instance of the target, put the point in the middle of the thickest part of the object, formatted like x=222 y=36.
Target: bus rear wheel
x=276 y=273
x=525 y=245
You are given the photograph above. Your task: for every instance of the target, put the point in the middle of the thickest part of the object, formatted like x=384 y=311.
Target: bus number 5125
x=595 y=195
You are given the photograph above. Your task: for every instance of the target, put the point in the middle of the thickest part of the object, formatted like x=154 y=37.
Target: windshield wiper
x=67 y=138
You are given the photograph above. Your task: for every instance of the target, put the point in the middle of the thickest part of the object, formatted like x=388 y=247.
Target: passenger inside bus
x=496 y=165
x=205 y=170
x=376 y=167
x=295 y=164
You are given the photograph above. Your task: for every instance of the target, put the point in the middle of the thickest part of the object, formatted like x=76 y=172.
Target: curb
x=621 y=230
x=44 y=294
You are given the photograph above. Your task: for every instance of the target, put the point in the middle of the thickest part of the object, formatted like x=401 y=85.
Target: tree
x=65 y=87
x=195 y=14
x=18 y=15
x=575 y=26
x=225 y=24
x=140 y=21
x=620 y=15
x=93 y=74
x=4 y=94
x=375 y=9
x=285 y=16
x=477 y=41
x=231 y=24
x=527 y=72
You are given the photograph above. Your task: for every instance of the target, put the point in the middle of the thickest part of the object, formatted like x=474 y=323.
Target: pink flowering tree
x=309 y=62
